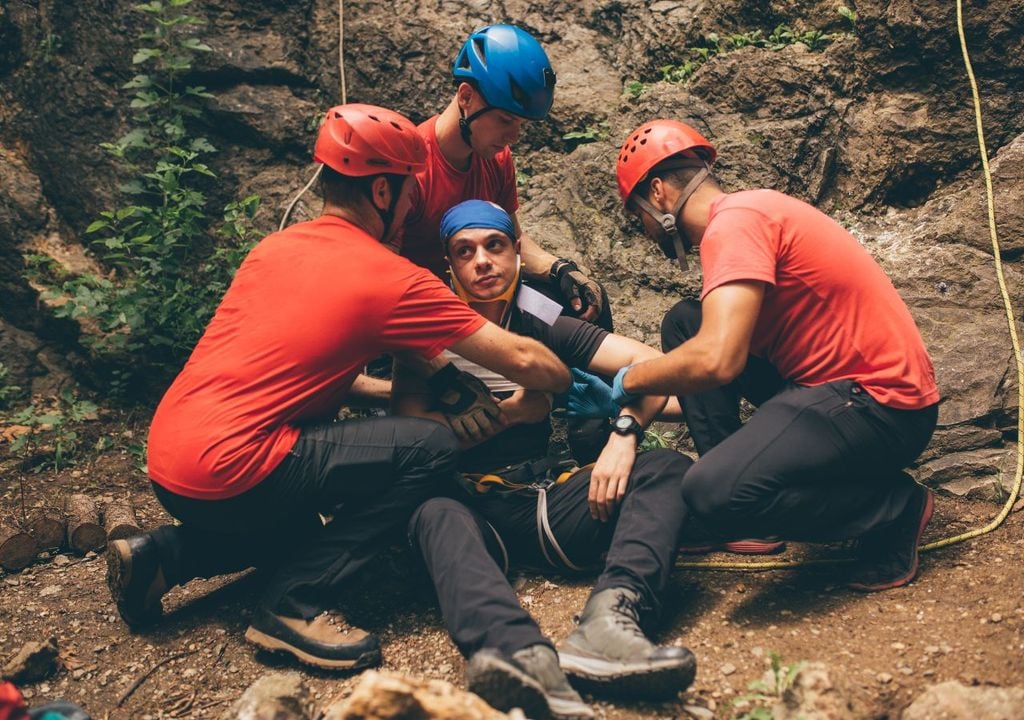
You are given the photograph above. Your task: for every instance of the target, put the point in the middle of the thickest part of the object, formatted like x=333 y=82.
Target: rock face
x=389 y=696
x=954 y=701
x=275 y=696
x=876 y=128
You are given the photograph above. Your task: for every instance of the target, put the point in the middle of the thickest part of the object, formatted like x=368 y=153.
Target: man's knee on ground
x=680 y=324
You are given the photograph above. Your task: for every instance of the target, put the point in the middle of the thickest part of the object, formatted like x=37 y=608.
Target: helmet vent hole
x=374 y=118
x=396 y=126
x=345 y=160
x=478 y=46
x=647 y=131
x=644 y=141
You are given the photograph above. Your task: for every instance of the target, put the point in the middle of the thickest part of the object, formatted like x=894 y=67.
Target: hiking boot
x=136 y=579
x=887 y=557
x=325 y=641
x=737 y=547
x=530 y=680
x=608 y=652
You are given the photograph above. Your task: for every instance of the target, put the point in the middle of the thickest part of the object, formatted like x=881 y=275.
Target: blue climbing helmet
x=510 y=69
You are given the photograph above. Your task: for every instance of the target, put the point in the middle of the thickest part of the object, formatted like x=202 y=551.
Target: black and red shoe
x=888 y=557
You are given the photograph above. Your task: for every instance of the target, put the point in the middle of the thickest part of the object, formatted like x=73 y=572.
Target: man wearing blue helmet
x=620 y=516
x=503 y=79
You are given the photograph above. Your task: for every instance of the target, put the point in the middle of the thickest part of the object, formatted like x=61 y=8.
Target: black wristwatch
x=628 y=425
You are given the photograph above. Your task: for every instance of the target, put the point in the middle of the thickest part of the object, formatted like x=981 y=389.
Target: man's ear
x=518 y=246
x=656 y=191
x=380 y=192
x=464 y=93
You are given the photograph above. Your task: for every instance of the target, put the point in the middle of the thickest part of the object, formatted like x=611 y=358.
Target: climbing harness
x=533 y=476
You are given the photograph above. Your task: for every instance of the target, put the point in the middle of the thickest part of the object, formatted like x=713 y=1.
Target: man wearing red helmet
x=503 y=79
x=243 y=449
x=798 y=318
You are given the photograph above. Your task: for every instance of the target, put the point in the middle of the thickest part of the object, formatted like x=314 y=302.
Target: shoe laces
x=333 y=619
x=627 y=615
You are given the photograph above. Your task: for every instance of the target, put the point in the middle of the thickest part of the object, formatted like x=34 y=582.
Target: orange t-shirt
x=830 y=312
x=440 y=187
x=306 y=311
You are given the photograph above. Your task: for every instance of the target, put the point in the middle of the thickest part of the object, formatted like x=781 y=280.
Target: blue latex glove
x=619 y=394
x=588 y=397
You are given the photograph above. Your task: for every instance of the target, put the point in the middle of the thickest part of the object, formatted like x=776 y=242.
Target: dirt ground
x=963 y=619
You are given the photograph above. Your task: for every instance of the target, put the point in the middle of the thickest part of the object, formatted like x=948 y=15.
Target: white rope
x=344 y=100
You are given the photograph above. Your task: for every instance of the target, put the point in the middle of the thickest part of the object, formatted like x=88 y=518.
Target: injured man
x=619 y=517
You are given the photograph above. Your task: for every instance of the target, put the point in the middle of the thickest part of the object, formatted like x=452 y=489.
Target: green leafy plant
x=753 y=38
x=48 y=435
x=653 y=440
x=765 y=692
x=49 y=46
x=676 y=74
x=635 y=88
x=7 y=390
x=166 y=262
x=850 y=15
x=591 y=133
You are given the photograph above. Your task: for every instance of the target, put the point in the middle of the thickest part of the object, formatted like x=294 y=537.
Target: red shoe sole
x=926 y=516
x=738 y=547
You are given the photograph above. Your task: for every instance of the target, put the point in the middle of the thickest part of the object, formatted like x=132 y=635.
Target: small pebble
x=996 y=617
x=61 y=560
x=884 y=678
x=898 y=646
x=728 y=669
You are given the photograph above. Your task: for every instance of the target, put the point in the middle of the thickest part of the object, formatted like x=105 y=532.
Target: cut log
x=120 y=521
x=17 y=548
x=49 y=527
x=84 y=530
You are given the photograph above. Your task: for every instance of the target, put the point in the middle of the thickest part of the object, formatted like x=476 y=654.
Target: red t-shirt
x=306 y=311
x=440 y=187
x=830 y=312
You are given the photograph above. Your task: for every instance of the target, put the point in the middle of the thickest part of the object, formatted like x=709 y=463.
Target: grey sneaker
x=608 y=652
x=530 y=680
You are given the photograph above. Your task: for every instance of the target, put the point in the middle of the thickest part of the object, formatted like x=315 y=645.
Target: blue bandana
x=475 y=214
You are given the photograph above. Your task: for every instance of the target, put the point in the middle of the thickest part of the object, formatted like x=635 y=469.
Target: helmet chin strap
x=670 y=231
x=464 y=130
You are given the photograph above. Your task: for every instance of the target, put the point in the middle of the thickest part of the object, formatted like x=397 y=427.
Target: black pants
x=816 y=463
x=464 y=549
x=370 y=475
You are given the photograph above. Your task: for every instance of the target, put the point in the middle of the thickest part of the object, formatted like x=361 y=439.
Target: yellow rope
x=344 y=99
x=1007 y=305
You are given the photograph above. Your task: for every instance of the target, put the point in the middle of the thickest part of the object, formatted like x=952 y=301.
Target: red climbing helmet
x=360 y=140
x=653 y=142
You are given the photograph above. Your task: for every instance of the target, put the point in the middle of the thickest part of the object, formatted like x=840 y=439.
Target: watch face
x=626 y=424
